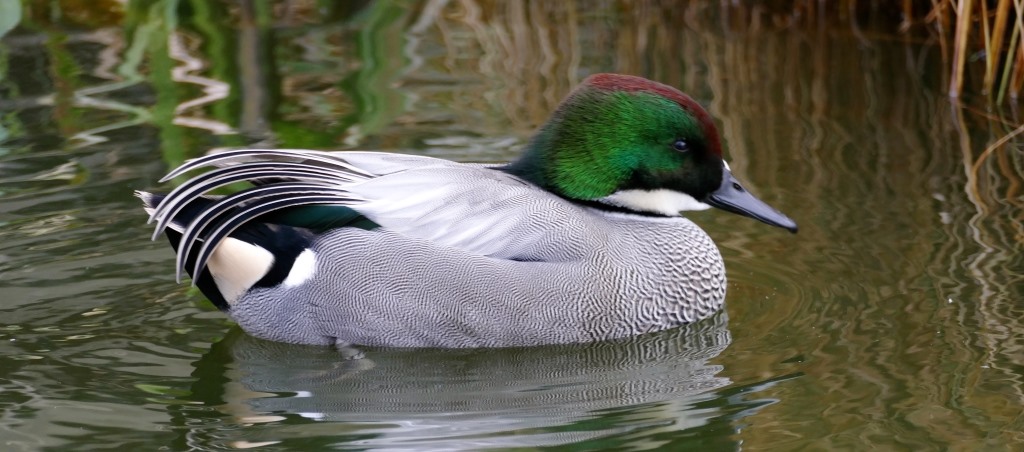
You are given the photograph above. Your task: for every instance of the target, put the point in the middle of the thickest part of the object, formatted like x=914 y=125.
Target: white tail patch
x=302 y=269
x=665 y=202
x=236 y=266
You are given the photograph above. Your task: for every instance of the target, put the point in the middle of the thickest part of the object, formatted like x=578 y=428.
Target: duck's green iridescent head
x=632 y=143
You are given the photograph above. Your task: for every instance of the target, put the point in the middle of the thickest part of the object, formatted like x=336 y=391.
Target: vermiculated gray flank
x=614 y=285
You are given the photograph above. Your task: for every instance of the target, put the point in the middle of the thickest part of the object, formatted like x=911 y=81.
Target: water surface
x=893 y=319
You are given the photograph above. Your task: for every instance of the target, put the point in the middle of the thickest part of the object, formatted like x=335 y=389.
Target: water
x=893 y=320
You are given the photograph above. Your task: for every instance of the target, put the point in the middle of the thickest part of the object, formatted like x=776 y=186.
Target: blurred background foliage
x=316 y=73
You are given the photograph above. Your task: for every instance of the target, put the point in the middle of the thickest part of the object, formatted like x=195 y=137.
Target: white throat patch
x=663 y=201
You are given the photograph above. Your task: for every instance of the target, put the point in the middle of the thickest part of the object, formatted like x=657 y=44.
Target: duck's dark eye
x=681 y=146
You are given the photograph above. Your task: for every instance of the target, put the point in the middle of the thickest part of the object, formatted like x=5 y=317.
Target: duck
x=581 y=239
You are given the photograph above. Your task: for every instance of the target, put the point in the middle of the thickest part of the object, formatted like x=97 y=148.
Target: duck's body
x=396 y=250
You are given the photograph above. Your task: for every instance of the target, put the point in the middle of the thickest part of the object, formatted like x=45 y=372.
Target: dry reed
x=984 y=24
x=984 y=36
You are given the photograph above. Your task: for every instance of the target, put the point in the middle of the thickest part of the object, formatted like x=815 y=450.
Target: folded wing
x=471 y=207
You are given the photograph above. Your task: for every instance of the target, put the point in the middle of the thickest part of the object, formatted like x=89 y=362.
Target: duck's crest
x=633 y=84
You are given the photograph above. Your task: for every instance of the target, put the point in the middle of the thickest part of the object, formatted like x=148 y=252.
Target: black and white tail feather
x=282 y=179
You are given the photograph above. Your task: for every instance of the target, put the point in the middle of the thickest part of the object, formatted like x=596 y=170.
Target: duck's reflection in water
x=449 y=399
